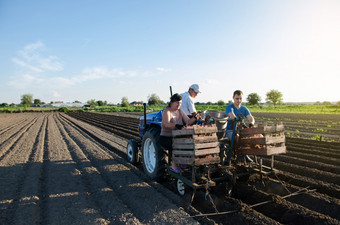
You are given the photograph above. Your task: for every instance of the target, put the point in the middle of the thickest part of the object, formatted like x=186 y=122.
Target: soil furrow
x=326 y=153
x=112 y=127
x=309 y=143
x=42 y=185
x=28 y=206
x=308 y=163
x=316 y=158
x=318 y=203
x=11 y=126
x=101 y=193
x=280 y=209
x=14 y=171
x=8 y=142
x=66 y=199
x=10 y=132
x=312 y=200
x=131 y=188
x=320 y=150
x=329 y=189
x=306 y=171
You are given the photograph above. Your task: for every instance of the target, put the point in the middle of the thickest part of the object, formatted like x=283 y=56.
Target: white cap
x=195 y=87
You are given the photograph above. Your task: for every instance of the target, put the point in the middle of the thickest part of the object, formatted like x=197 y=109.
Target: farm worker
x=173 y=118
x=188 y=105
x=236 y=110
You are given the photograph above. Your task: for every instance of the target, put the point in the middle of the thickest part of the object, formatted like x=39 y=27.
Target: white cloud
x=26 y=65
x=102 y=72
x=34 y=46
x=33 y=59
x=34 y=65
x=24 y=81
x=161 y=69
x=60 y=82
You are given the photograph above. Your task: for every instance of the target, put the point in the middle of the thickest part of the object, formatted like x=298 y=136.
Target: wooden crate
x=195 y=146
x=262 y=141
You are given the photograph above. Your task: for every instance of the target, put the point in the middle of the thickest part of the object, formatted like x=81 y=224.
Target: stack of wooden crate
x=263 y=140
x=196 y=145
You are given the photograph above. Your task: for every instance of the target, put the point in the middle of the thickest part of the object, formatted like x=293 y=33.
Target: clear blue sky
x=71 y=50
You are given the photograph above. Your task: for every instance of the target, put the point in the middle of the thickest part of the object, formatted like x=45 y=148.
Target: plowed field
x=57 y=169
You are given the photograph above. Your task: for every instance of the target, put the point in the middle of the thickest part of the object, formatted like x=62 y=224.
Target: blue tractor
x=155 y=159
x=147 y=148
x=151 y=154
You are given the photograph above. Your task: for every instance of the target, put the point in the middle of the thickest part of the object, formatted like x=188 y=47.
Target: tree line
x=273 y=97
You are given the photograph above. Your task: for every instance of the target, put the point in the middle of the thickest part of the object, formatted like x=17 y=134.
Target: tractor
x=206 y=172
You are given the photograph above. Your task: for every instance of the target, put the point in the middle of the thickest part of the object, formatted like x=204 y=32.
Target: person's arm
x=229 y=112
x=187 y=120
x=166 y=120
x=191 y=106
x=251 y=119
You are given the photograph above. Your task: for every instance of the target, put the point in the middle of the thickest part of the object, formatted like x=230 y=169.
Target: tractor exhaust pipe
x=144 y=104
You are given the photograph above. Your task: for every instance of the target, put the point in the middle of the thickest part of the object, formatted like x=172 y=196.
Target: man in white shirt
x=188 y=105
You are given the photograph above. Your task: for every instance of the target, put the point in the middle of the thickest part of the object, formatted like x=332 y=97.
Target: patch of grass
x=307 y=109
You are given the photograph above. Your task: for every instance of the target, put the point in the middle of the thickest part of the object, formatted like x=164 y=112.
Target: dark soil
x=56 y=169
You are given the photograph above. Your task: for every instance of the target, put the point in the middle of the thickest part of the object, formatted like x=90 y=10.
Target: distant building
x=136 y=103
x=67 y=104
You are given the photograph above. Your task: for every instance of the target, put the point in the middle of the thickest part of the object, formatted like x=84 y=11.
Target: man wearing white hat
x=188 y=105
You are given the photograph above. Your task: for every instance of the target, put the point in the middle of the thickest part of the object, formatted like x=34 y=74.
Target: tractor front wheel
x=132 y=151
x=181 y=187
x=153 y=155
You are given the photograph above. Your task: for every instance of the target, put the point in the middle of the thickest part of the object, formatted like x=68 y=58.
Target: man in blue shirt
x=236 y=110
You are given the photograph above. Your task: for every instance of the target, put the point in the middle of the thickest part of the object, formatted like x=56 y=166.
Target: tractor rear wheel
x=153 y=155
x=132 y=151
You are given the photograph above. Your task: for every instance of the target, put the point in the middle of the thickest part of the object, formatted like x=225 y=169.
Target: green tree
x=253 y=99
x=26 y=99
x=326 y=103
x=220 y=102
x=274 y=97
x=4 y=104
x=100 y=103
x=153 y=99
x=209 y=103
x=92 y=102
x=76 y=101
x=338 y=103
x=125 y=102
x=37 y=102
x=317 y=103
